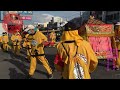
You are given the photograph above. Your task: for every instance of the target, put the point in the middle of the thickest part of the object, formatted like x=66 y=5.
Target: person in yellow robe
x=27 y=44
x=37 y=52
x=53 y=38
x=4 y=41
x=72 y=51
x=16 y=42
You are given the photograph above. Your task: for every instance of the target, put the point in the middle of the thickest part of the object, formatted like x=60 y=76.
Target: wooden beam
x=50 y=30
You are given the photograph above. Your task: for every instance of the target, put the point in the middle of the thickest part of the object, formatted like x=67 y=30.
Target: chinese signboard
x=25 y=12
x=26 y=17
x=12 y=12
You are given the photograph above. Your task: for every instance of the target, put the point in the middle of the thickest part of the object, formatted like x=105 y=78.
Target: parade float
x=101 y=36
x=12 y=22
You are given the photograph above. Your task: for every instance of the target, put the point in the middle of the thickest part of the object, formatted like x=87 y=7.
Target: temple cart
x=101 y=37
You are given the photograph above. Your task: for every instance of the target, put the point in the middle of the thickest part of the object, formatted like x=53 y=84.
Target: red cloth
x=46 y=43
x=58 y=60
x=52 y=43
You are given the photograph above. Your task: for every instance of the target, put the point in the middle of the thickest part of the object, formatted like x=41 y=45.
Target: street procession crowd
x=75 y=58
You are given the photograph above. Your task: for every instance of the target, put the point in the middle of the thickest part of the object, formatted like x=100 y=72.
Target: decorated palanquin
x=100 y=36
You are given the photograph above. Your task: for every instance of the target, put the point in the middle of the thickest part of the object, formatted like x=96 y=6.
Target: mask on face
x=29 y=32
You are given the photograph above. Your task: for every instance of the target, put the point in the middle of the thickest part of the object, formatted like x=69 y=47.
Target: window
x=116 y=16
x=109 y=17
x=109 y=11
x=100 y=18
x=98 y=12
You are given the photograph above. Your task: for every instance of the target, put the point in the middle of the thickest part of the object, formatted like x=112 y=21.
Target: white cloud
x=48 y=17
x=41 y=17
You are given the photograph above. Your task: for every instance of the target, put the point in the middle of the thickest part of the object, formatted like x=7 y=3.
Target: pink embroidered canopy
x=99 y=35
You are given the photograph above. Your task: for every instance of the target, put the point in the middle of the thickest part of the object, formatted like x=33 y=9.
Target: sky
x=45 y=16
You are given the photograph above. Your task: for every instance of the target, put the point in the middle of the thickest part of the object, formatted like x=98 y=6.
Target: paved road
x=14 y=67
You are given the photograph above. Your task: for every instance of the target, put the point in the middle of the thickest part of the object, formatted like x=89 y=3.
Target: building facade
x=1 y=16
x=108 y=16
x=85 y=15
x=55 y=23
x=1 y=20
x=58 y=19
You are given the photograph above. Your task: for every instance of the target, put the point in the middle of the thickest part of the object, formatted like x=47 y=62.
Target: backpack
x=77 y=66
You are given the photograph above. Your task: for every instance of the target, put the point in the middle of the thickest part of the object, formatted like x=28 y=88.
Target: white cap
x=118 y=23
x=29 y=27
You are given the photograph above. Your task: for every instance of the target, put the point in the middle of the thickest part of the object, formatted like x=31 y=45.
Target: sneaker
x=29 y=77
x=50 y=76
x=26 y=58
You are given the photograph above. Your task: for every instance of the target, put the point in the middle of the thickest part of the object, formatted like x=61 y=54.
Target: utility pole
x=103 y=15
x=80 y=17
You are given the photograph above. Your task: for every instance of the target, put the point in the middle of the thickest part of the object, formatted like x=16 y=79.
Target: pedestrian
x=75 y=58
x=16 y=42
x=5 y=41
x=37 y=51
x=27 y=44
x=52 y=38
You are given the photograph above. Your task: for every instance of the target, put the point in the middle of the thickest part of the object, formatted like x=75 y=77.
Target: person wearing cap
x=16 y=42
x=52 y=38
x=37 y=51
x=27 y=41
x=4 y=41
x=117 y=39
x=72 y=44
